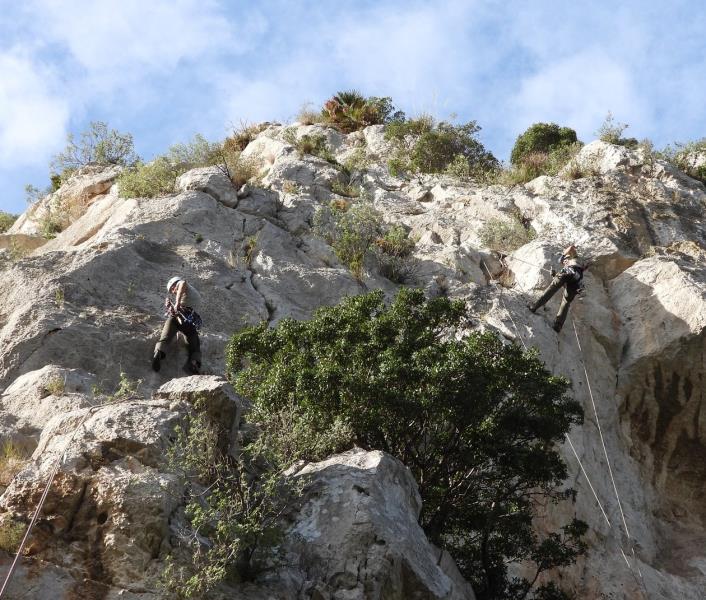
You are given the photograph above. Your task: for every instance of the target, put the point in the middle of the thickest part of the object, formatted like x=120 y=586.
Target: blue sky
x=166 y=69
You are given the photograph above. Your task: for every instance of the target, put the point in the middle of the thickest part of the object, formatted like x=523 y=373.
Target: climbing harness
x=577 y=273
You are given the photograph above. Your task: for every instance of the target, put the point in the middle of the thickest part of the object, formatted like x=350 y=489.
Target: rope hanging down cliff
x=639 y=581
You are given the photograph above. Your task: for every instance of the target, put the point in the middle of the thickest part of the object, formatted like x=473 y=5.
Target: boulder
x=357 y=536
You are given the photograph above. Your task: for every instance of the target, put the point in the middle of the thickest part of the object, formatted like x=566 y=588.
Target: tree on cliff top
x=477 y=422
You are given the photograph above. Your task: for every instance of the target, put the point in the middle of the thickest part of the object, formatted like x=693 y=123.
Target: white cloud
x=578 y=91
x=109 y=35
x=32 y=117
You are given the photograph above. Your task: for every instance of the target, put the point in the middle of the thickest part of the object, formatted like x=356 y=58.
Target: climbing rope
x=640 y=582
x=45 y=493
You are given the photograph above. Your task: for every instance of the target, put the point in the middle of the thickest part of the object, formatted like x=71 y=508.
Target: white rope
x=595 y=495
x=600 y=433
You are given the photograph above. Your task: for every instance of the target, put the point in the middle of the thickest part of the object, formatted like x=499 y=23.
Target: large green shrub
x=476 y=420
x=425 y=146
x=6 y=221
x=98 y=144
x=541 y=137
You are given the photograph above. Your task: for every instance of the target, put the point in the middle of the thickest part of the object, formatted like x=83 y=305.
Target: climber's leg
x=552 y=289
x=569 y=294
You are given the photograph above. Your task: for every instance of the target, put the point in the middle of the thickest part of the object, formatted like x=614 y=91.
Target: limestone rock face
x=357 y=535
x=84 y=310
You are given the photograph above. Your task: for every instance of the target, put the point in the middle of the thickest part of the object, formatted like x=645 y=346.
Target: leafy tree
x=474 y=419
x=424 y=146
x=98 y=144
x=541 y=137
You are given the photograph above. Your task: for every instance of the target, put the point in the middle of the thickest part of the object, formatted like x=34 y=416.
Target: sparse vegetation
x=126 y=387
x=359 y=160
x=684 y=157
x=55 y=386
x=249 y=250
x=291 y=187
x=149 y=180
x=12 y=461
x=98 y=144
x=313 y=144
x=235 y=504
x=6 y=221
x=394 y=254
x=11 y=534
x=350 y=231
x=506 y=236
x=425 y=146
x=347 y=190
x=476 y=421
x=350 y=111
x=308 y=115
x=611 y=131
x=49 y=224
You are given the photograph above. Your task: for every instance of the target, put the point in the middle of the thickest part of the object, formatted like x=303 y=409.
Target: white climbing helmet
x=172 y=281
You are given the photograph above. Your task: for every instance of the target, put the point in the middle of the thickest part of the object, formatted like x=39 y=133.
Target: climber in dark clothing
x=571 y=278
x=183 y=317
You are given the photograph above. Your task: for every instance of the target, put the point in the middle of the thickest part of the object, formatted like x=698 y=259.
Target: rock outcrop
x=85 y=309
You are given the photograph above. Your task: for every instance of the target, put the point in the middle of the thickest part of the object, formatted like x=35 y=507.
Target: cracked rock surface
x=81 y=309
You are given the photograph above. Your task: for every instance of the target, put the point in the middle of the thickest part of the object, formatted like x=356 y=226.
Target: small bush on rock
x=350 y=111
x=314 y=144
x=350 y=231
x=506 y=236
x=611 y=131
x=149 y=180
x=394 y=255
x=424 y=146
x=476 y=421
x=6 y=221
x=541 y=138
x=685 y=157
x=236 y=502
x=98 y=144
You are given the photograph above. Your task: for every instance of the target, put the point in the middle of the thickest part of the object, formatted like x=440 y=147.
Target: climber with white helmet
x=182 y=316
x=571 y=278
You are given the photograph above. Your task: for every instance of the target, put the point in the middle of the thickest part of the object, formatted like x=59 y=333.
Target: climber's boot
x=156 y=360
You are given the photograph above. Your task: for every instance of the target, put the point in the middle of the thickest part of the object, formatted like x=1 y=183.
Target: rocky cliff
x=79 y=310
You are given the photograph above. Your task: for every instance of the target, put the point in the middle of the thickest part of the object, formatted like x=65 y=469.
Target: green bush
x=198 y=152
x=506 y=236
x=476 y=421
x=350 y=111
x=98 y=144
x=351 y=231
x=536 y=163
x=541 y=137
x=611 y=131
x=6 y=221
x=234 y=504
x=681 y=155
x=424 y=146
x=314 y=144
x=149 y=180
x=394 y=255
